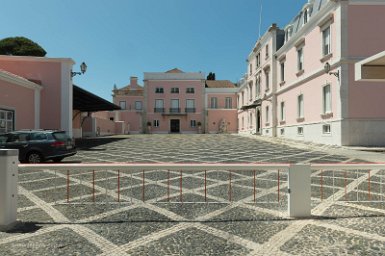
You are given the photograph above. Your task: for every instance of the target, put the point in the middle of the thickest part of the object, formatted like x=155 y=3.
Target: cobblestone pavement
x=241 y=213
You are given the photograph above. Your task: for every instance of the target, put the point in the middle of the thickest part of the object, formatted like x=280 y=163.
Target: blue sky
x=122 y=38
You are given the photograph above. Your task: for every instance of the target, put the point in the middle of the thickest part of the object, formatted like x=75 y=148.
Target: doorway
x=258 y=117
x=174 y=125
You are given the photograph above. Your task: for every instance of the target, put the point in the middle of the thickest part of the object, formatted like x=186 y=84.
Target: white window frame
x=267 y=80
x=267 y=114
x=282 y=116
x=193 y=123
x=326 y=41
x=228 y=103
x=327 y=99
x=156 y=123
x=300 y=106
x=7 y=122
x=123 y=104
x=214 y=102
x=300 y=59
x=300 y=130
x=282 y=70
x=157 y=103
x=326 y=129
x=175 y=90
x=138 y=105
x=159 y=90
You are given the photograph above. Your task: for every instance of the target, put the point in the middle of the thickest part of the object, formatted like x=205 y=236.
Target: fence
x=297 y=188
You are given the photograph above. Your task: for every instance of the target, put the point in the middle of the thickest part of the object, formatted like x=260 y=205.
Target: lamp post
x=327 y=70
x=83 y=69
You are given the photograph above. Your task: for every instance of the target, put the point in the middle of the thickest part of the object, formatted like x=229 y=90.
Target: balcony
x=189 y=110
x=174 y=110
x=158 y=110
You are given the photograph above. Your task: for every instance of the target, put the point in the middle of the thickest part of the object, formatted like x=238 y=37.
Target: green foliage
x=20 y=46
x=211 y=76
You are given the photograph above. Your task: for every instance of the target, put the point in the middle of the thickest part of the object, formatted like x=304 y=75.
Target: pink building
x=221 y=107
x=38 y=93
x=130 y=99
x=174 y=101
x=313 y=94
x=177 y=102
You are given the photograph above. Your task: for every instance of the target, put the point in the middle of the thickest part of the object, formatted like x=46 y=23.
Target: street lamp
x=83 y=69
x=327 y=70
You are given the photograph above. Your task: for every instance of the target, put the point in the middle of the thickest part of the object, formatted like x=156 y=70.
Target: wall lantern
x=327 y=70
x=83 y=69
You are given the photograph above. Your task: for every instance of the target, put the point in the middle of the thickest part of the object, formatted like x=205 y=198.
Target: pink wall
x=221 y=99
x=21 y=100
x=366 y=36
x=215 y=117
x=49 y=73
x=164 y=120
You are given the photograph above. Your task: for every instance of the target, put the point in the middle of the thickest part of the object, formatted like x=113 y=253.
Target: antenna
x=260 y=20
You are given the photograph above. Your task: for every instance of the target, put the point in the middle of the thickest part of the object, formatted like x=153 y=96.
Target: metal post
x=299 y=192
x=8 y=187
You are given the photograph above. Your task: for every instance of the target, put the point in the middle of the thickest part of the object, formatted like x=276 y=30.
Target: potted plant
x=199 y=127
x=149 y=127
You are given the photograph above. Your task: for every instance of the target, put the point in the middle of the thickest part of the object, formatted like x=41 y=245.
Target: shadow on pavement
x=90 y=144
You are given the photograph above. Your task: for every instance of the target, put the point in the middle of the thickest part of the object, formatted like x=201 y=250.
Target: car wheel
x=34 y=157
x=57 y=159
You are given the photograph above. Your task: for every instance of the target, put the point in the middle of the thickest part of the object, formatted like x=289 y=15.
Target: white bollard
x=8 y=187
x=299 y=191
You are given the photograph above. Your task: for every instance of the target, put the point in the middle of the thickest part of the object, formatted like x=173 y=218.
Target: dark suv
x=36 y=146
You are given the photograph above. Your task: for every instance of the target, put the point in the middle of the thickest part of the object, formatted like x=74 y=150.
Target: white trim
x=66 y=91
x=366 y=2
x=37 y=109
x=18 y=81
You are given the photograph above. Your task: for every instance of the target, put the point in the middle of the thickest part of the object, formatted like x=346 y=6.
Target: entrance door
x=174 y=126
x=258 y=121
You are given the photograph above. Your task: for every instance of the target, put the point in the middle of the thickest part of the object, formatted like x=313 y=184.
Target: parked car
x=36 y=146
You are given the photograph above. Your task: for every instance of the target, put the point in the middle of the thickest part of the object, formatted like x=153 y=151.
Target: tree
x=211 y=76
x=20 y=46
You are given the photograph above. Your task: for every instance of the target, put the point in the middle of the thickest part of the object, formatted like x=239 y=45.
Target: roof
x=175 y=70
x=219 y=84
x=85 y=101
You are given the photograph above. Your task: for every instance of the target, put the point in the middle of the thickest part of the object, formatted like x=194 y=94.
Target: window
x=305 y=16
x=258 y=87
x=300 y=106
x=214 y=102
x=300 y=59
x=159 y=90
x=326 y=41
x=267 y=51
x=190 y=106
x=156 y=123
x=267 y=114
x=282 y=111
x=258 y=60
x=122 y=104
x=7 y=121
x=193 y=123
x=228 y=102
x=326 y=98
x=159 y=106
x=282 y=131
x=138 y=105
x=300 y=130
x=174 y=106
x=282 y=71
x=190 y=90
x=175 y=90
x=326 y=129
x=250 y=91
x=267 y=82
x=250 y=69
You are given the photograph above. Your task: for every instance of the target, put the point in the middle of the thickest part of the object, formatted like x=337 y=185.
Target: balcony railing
x=174 y=110
x=159 y=110
x=190 y=110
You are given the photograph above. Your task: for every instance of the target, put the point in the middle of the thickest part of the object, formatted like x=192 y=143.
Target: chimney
x=133 y=81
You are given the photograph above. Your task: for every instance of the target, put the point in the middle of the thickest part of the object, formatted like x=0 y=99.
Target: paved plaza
x=240 y=212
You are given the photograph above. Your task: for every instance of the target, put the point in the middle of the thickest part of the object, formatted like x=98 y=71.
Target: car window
x=38 y=136
x=61 y=136
x=3 y=139
x=16 y=138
